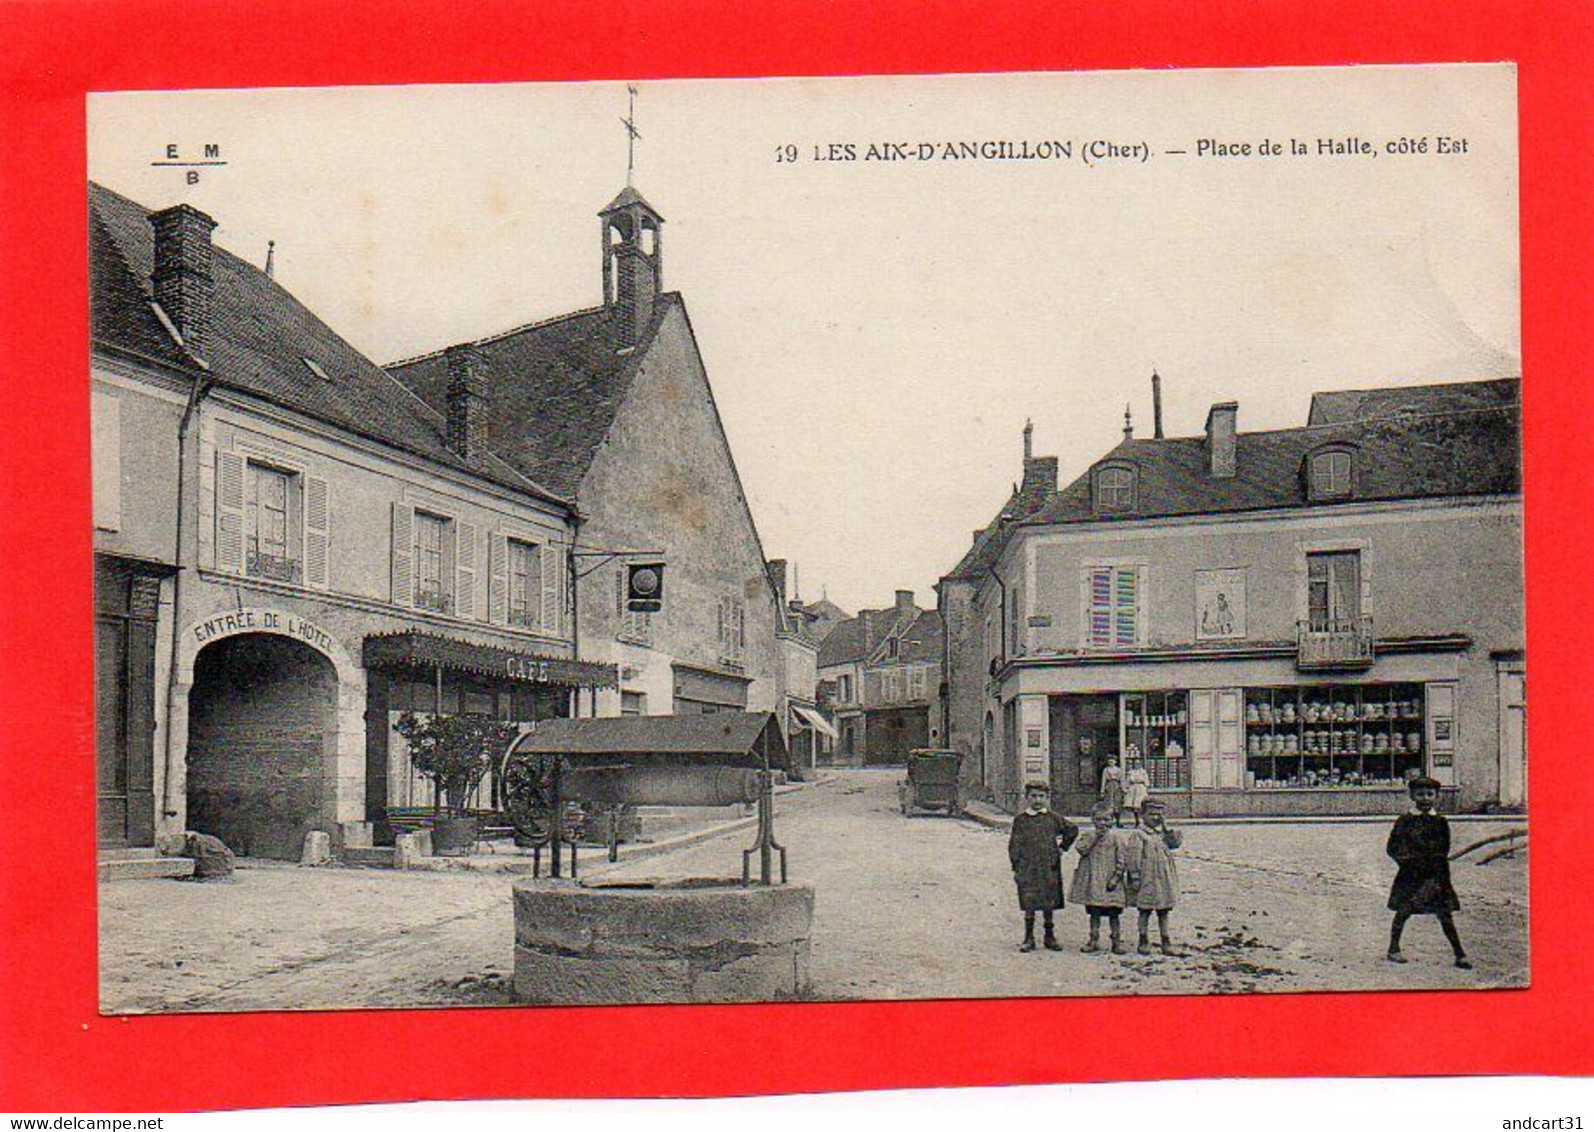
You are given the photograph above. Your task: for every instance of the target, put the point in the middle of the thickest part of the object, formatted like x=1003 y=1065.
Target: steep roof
x=1417 y=442
x=554 y=388
x=922 y=640
x=855 y=640
x=260 y=339
x=1441 y=455
x=1344 y=405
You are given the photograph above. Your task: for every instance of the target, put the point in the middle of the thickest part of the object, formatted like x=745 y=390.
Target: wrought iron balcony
x=1342 y=643
x=273 y=566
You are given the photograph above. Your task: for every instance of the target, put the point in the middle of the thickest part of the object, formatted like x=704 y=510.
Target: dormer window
x=1330 y=473
x=1115 y=488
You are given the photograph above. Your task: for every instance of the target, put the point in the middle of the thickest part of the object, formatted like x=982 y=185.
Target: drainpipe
x=575 y=611
x=196 y=393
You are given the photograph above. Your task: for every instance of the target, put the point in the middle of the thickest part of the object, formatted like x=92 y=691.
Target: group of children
x=1120 y=868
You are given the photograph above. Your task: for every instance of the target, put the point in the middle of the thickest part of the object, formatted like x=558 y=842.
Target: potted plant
x=454 y=753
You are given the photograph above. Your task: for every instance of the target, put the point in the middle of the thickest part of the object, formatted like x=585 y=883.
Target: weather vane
x=629 y=122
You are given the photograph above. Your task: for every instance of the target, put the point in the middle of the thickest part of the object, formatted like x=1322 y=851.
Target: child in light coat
x=1099 y=878
x=1137 y=788
x=1152 y=875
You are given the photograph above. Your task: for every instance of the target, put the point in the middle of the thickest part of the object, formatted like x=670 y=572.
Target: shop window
x=1156 y=737
x=1334 y=591
x=1114 y=613
x=1333 y=736
x=434 y=565
x=272 y=524
x=1330 y=473
x=525 y=583
x=1115 y=488
x=632 y=627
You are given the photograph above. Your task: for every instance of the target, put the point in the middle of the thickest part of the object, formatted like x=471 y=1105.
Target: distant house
x=611 y=406
x=1282 y=622
x=880 y=677
x=823 y=616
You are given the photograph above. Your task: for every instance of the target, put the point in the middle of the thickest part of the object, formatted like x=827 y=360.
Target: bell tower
x=633 y=260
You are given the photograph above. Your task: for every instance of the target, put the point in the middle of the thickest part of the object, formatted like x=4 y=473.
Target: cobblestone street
x=917 y=907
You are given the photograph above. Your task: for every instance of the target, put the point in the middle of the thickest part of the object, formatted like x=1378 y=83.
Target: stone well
x=660 y=941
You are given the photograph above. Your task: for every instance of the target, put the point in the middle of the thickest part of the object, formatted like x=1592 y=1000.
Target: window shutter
x=1126 y=604
x=497 y=603
x=403 y=554
x=552 y=591
x=317 y=536
x=229 y=512
x=1098 y=605
x=465 y=558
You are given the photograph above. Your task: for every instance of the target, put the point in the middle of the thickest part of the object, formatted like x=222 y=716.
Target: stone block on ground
x=356 y=834
x=212 y=859
x=409 y=848
x=317 y=848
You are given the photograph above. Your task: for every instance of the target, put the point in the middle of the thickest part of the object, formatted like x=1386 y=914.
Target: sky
x=877 y=332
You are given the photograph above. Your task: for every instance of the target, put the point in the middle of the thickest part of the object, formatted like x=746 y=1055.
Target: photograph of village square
x=1047 y=534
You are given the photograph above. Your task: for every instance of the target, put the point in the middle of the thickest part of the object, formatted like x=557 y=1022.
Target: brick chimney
x=1040 y=474
x=467 y=402
x=905 y=601
x=1222 y=439
x=181 y=278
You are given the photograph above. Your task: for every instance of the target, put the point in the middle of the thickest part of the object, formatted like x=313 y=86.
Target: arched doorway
x=262 y=744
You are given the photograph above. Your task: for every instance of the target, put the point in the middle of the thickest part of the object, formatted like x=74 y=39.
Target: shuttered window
x=525 y=584
x=1114 y=606
x=732 y=628
x=434 y=562
x=1334 y=590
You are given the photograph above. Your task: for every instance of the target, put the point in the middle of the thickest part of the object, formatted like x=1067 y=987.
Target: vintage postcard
x=738 y=541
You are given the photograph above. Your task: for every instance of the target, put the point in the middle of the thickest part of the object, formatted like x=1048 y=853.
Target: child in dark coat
x=1035 y=851
x=1420 y=845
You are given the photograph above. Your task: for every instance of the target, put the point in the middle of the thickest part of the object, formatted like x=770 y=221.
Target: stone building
x=1282 y=622
x=289 y=550
x=611 y=408
x=880 y=672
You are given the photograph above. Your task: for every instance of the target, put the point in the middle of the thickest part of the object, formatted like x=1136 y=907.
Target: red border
x=57 y=1053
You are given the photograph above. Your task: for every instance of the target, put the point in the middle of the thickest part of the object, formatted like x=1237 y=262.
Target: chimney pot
x=1156 y=405
x=777 y=575
x=466 y=428
x=1222 y=439
x=181 y=276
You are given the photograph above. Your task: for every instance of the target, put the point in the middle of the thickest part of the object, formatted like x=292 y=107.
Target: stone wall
x=667 y=942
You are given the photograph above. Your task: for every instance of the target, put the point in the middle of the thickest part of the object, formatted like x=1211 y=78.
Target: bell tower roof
x=628 y=197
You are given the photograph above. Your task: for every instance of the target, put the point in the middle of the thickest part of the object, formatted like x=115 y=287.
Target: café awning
x=412 y=648
x=818 y=722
